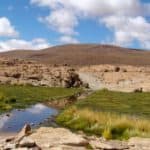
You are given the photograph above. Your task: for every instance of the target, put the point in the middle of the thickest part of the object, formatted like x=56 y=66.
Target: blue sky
x=36 y=24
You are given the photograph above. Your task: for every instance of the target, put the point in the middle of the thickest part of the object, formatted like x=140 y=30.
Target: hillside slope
x=84 y=54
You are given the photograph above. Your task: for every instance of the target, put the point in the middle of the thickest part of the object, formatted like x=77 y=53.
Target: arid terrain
x=116 y=77
x=108 y=87
x=20 y=72
x=84 y=54
x=100 y=66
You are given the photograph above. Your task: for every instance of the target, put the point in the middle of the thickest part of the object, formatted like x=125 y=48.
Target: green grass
x=113 y=115
x=22 y=96
x=137 y=104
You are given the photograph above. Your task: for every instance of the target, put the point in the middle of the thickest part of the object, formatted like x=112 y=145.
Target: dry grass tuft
x=109 y=125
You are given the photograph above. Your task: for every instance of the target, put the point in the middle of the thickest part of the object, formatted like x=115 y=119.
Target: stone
x=26 y=130
x=64 y=147
x=8 y=115
x=138 y=90
x=56 y=137
x=27 y=142
x=108 y=145
x=48 y=138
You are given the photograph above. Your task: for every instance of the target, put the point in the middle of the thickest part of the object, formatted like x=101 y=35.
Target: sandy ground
x=4 y=135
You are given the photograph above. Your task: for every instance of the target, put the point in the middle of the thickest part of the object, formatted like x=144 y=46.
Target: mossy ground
x=114 y=115
x=22 y=96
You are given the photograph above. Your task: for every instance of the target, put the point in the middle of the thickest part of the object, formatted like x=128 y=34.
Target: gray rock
x=27 y=142
x=51 y=137
x=108 y=145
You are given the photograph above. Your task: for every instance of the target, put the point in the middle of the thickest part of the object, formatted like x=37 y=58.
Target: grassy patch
x=23 y=96
x=113 y=115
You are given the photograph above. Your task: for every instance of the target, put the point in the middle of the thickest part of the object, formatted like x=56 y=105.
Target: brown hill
x=84 y=54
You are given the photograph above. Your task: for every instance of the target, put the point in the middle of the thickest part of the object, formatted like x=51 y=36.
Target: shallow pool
x=16 y=119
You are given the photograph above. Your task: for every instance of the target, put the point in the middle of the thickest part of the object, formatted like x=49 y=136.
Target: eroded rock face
x=113 y=77
x=21 y=73
x=117 y=78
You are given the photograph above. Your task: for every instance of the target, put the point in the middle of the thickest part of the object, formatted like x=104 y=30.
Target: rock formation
x=116 y=77
x=17 y=72
x=50 y=138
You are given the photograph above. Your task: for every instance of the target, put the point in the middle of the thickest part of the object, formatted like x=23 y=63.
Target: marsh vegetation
x=113 y=115
x=12 y=97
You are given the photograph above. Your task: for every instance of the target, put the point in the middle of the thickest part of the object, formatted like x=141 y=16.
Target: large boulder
x=56 y=137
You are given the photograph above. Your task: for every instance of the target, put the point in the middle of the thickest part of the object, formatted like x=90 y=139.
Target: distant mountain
x=83 y=54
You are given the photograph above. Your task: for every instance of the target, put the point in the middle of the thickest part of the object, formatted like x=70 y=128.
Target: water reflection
x=33 y=115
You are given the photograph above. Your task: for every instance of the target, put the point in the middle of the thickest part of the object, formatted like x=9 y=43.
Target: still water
x=33 y=115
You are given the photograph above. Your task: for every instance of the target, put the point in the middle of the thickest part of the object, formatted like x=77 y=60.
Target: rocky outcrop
x=21 y=73
x=20 y=141
x=57 y=137
x=117 y=78
x=48 y=138
x=113 y=77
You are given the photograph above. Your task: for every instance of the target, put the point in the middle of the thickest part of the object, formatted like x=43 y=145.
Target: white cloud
x=128 y=29
x=62 y=21
x=106 y=7
x=37 y=109
x=96 y=7
x=6 y=29
x=13 y=44
x=121 y=16
x=68 y=40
